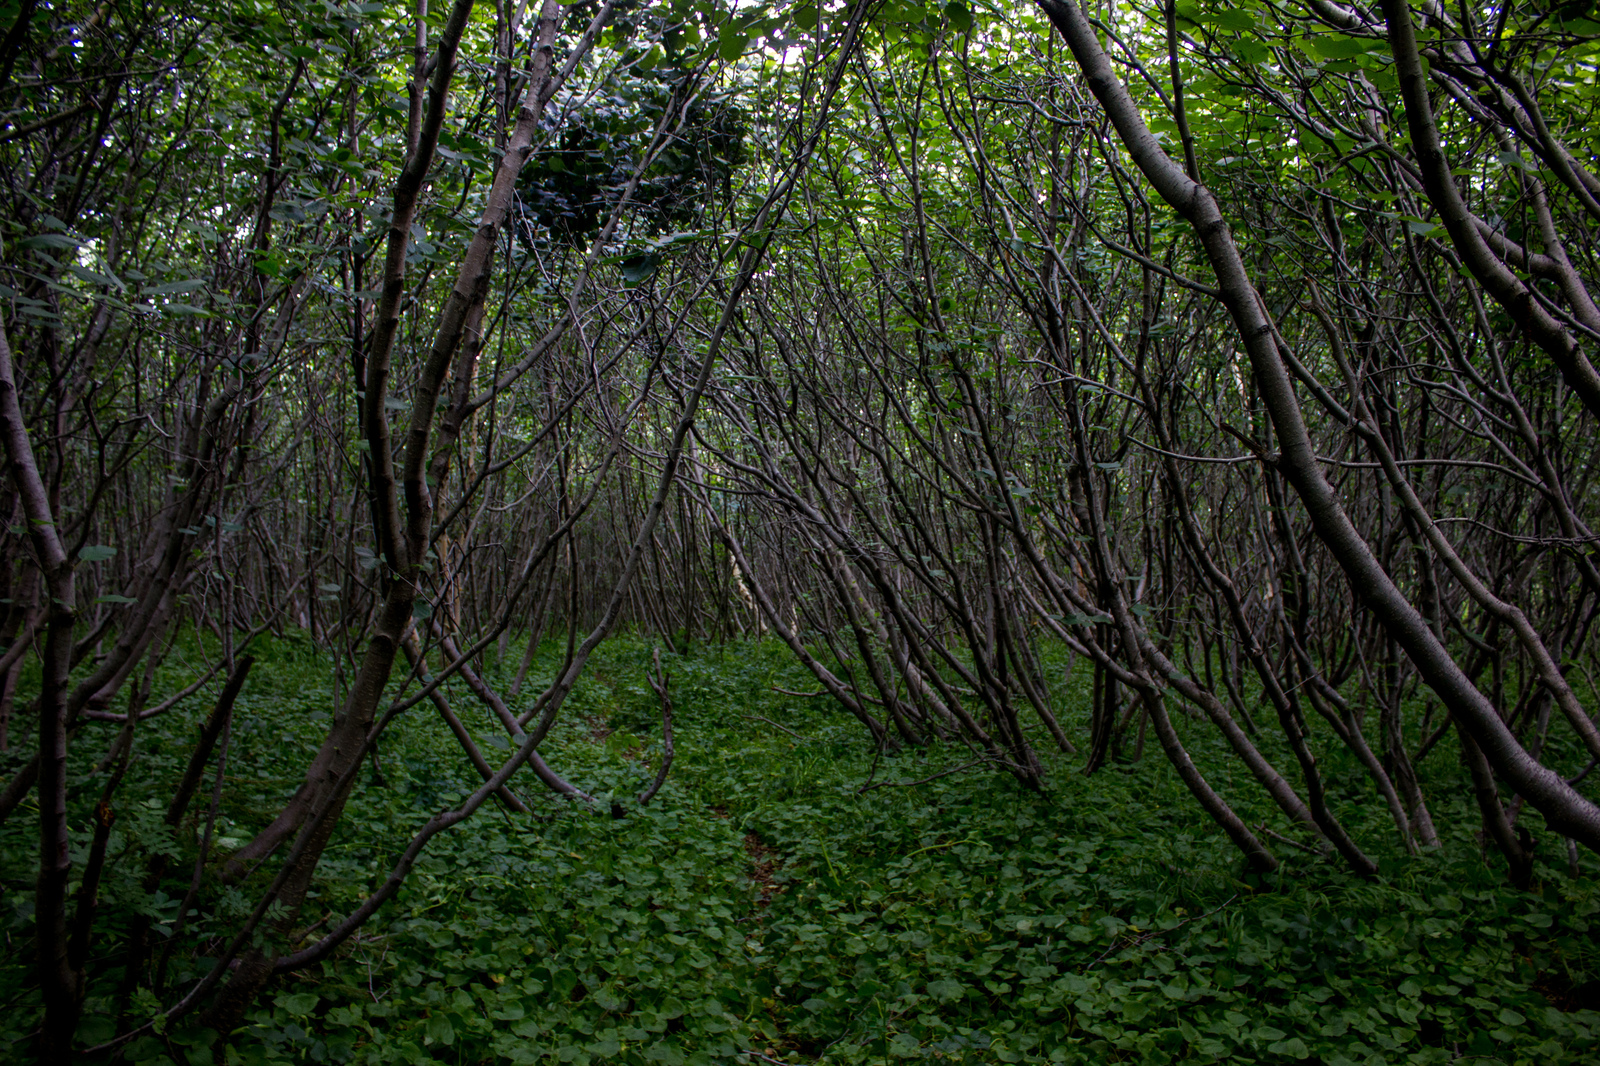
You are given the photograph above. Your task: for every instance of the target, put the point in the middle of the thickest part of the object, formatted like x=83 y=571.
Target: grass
x=764 y=908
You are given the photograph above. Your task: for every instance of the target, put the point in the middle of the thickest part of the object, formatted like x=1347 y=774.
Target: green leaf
x=94 y=278
x=172 y=288
x=639 y=268
x=119 y=600
x=1235 y=19
x=904 y=1046
x=730 y=46
x=1250 y=50
x=203 y=230
x=95 y=553
x=606 y=1047
x=299 y=1004
x=58 y=241
x=1294 y=1047
x=959 y=14
x=665 y=1053
x=440 y=1030
x=1329 y=46
x=146 y=1047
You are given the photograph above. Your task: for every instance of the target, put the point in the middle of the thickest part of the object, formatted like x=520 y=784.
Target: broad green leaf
x=203 y=230
x=730 y=46
x=1515 y=159
x=1236 y=19
x=95 y=278
x=299 y=1004
x=1293 y=1047
x=57 y=241
x=172 y=288
x=440 y=1030
x=639 y=268
x=1329 y=46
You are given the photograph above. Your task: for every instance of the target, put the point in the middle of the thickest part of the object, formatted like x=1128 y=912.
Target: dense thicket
x=1241 y=352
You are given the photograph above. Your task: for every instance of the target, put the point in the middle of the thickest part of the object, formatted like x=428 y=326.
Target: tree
x=412 y=332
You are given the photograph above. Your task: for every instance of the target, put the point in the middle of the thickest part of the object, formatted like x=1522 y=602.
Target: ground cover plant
x=787 y=896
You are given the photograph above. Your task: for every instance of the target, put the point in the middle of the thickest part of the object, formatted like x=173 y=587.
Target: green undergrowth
x=789 y=897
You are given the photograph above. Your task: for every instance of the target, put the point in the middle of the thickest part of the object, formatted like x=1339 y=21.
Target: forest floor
x=770 y=906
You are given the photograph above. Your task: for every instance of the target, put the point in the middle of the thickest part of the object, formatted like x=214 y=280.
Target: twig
x=1154 y=933
x=31 y=128
x=172 y=701
x=823 y=692
x=1275 y=835
x=764 y=1058
x=775 y=725
x=924 y=780
x=658 y=681
x=370 y=990
x=1428 y=744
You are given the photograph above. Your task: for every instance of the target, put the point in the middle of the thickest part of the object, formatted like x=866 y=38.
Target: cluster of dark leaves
x=567 y=190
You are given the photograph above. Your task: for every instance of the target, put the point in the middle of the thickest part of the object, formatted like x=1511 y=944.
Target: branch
x=658 y=681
